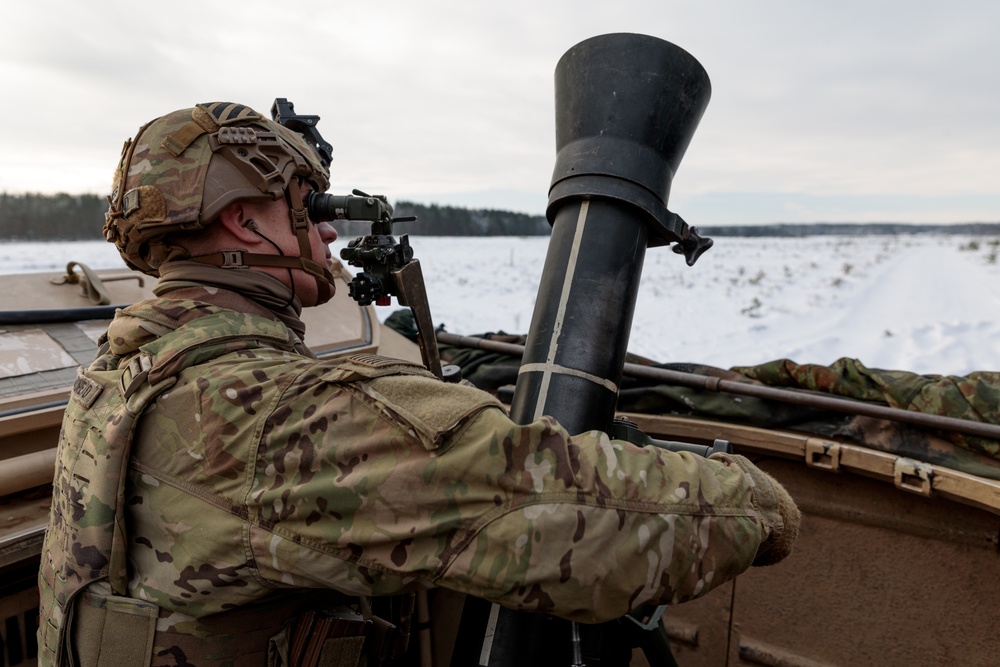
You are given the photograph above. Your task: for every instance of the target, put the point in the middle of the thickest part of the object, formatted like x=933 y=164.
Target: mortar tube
x=626 y=108
x=572 y=365
x=576 y=346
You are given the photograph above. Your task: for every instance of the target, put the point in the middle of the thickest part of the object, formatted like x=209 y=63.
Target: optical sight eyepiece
x=358 y=206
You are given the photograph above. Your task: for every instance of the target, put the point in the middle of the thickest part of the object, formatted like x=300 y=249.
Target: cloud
x=455 y=100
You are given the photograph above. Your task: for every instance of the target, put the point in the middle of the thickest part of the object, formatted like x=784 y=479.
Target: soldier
x=216 y=483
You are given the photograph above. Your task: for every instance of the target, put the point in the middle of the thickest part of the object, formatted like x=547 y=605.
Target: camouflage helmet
x=184 y=168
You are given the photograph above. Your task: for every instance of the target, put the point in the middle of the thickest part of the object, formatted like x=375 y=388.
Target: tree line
x=435 y=220
x=64 y=217
x=60 y=217
x=850 y=229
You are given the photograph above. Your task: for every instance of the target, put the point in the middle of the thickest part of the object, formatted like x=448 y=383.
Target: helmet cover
x=184 y=168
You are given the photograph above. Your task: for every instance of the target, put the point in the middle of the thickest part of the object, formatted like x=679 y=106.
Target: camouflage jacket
x=261 y=470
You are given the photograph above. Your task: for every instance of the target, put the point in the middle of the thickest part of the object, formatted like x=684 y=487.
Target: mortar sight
x=356 y=206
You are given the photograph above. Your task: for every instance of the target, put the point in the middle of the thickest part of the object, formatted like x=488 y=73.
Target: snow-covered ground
x=923 y=303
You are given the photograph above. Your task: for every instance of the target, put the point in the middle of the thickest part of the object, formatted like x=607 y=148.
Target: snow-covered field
x=923 y=303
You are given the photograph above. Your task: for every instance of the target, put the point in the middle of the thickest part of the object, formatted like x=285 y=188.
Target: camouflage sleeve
x=588 y=528
x=382 y=492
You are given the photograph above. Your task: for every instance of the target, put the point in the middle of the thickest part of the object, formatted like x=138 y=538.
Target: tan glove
x=777 y=509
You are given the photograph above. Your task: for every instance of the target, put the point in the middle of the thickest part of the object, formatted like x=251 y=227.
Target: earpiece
x=251 y=225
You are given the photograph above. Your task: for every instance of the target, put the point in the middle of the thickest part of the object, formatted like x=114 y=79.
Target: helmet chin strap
x=252 y=226
x=300 y=225
x=239 y=259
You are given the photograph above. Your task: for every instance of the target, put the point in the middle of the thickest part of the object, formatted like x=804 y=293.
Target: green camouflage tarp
x=974 y=397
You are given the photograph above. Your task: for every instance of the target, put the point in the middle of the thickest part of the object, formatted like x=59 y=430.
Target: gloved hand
x=777 y=509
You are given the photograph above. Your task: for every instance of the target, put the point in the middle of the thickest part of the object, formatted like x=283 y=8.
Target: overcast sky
x=840 y=111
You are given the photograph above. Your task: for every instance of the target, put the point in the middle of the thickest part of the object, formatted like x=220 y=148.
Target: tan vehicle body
x=897 y=561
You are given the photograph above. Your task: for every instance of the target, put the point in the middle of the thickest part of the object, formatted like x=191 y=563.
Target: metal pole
x=803 y=397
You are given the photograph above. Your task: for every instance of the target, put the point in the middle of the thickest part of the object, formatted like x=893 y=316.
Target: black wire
x=291 y=278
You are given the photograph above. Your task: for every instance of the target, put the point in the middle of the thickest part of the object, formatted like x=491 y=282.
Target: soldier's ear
x=236 y=220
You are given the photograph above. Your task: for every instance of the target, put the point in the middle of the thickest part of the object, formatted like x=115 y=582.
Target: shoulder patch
x=376 y=360
x=433 y=409
x=370 y=366
x=85 y=390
